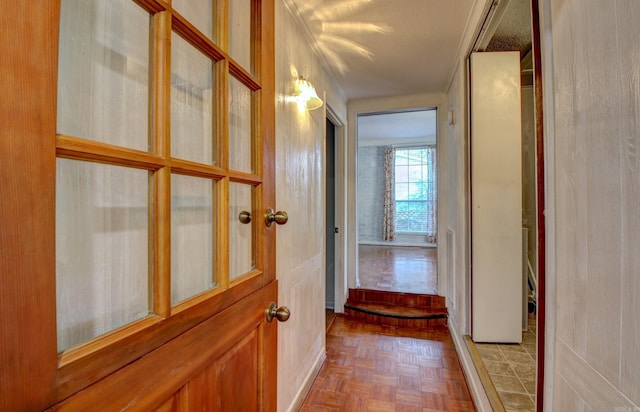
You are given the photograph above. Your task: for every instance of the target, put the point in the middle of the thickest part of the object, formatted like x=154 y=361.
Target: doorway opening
x=397 y=201
x=514 y=371
x=331 y=227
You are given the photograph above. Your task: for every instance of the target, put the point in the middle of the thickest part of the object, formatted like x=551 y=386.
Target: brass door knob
x=282 y=313
x=244 y=217
x=279 y=217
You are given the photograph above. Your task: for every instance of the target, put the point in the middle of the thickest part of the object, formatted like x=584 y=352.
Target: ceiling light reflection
x=330 y=24
x=346 y=44
x=339 y=9
x=353 y=27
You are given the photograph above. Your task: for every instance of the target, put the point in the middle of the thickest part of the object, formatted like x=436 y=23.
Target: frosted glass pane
x=102 y=236
x=240 y=47
x=103 y=75
x=191 y=103
x=240 y=141
x=240 y=235
x=199 y=13
x=191 y=237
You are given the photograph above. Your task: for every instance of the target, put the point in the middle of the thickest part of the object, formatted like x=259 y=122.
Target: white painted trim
x=340 y=149
x=308 y=382
x=471 y=31
x=323 y=200
x=480 y=399
x=491 y=25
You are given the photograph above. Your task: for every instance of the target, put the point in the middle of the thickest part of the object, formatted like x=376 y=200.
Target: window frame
x=423 y=163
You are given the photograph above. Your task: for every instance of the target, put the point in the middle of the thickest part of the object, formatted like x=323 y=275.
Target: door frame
x=340 y=250
x=542 y=99
x=28 y=63
x=541 y=130
x=391 y=104
x=340 y=272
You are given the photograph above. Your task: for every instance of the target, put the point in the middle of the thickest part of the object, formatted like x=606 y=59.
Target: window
x=415 y=180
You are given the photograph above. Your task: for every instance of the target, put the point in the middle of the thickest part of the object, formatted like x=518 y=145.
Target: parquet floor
x=398 y=268
x=383 y=368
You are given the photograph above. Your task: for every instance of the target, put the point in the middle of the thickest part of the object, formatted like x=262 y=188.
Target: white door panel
x=496 y=197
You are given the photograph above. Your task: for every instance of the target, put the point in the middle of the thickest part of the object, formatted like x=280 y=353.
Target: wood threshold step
x=397 y=312
x=414 y=300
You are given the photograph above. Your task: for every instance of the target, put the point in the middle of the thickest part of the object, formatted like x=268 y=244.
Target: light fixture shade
x=306 y=94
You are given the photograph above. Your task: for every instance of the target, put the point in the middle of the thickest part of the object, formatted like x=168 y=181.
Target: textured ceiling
x=381 y=48
x=514 y=29
x=377 y=48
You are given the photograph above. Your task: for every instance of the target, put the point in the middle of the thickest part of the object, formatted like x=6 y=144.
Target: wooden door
x=138 y=135
x=496 y=197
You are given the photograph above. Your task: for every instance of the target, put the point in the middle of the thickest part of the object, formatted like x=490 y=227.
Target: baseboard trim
x=478 y=394
x=298 y=400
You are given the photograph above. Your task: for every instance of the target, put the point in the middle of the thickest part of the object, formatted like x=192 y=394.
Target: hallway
x=381 y=368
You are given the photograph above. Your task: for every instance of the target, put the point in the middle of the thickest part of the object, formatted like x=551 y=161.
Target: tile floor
x=398 y=269
x=382 y=368
x=512 y=369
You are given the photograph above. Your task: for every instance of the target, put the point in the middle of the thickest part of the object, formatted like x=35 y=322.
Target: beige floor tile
x=517 y=357
x=529 y=385
x=516 y=401
x=491 y=354
x=524 y=371
x=499 y=368
x=508 y=384
x=514 y=347
x=513 y=371
x=531 y=349
x=486 y=345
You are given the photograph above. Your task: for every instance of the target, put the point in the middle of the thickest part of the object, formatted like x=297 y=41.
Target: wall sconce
x=306 y=96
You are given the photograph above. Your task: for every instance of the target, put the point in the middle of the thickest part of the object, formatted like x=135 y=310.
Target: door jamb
x=540 y=203
x=340 y=273
x=541 y=99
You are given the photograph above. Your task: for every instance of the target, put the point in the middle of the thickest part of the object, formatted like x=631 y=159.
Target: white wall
x=592 y=109
x=591 y=80
x=300 y=180
x=453 y=205
x=455 y=179
x=370 y=194
x=592 y=184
